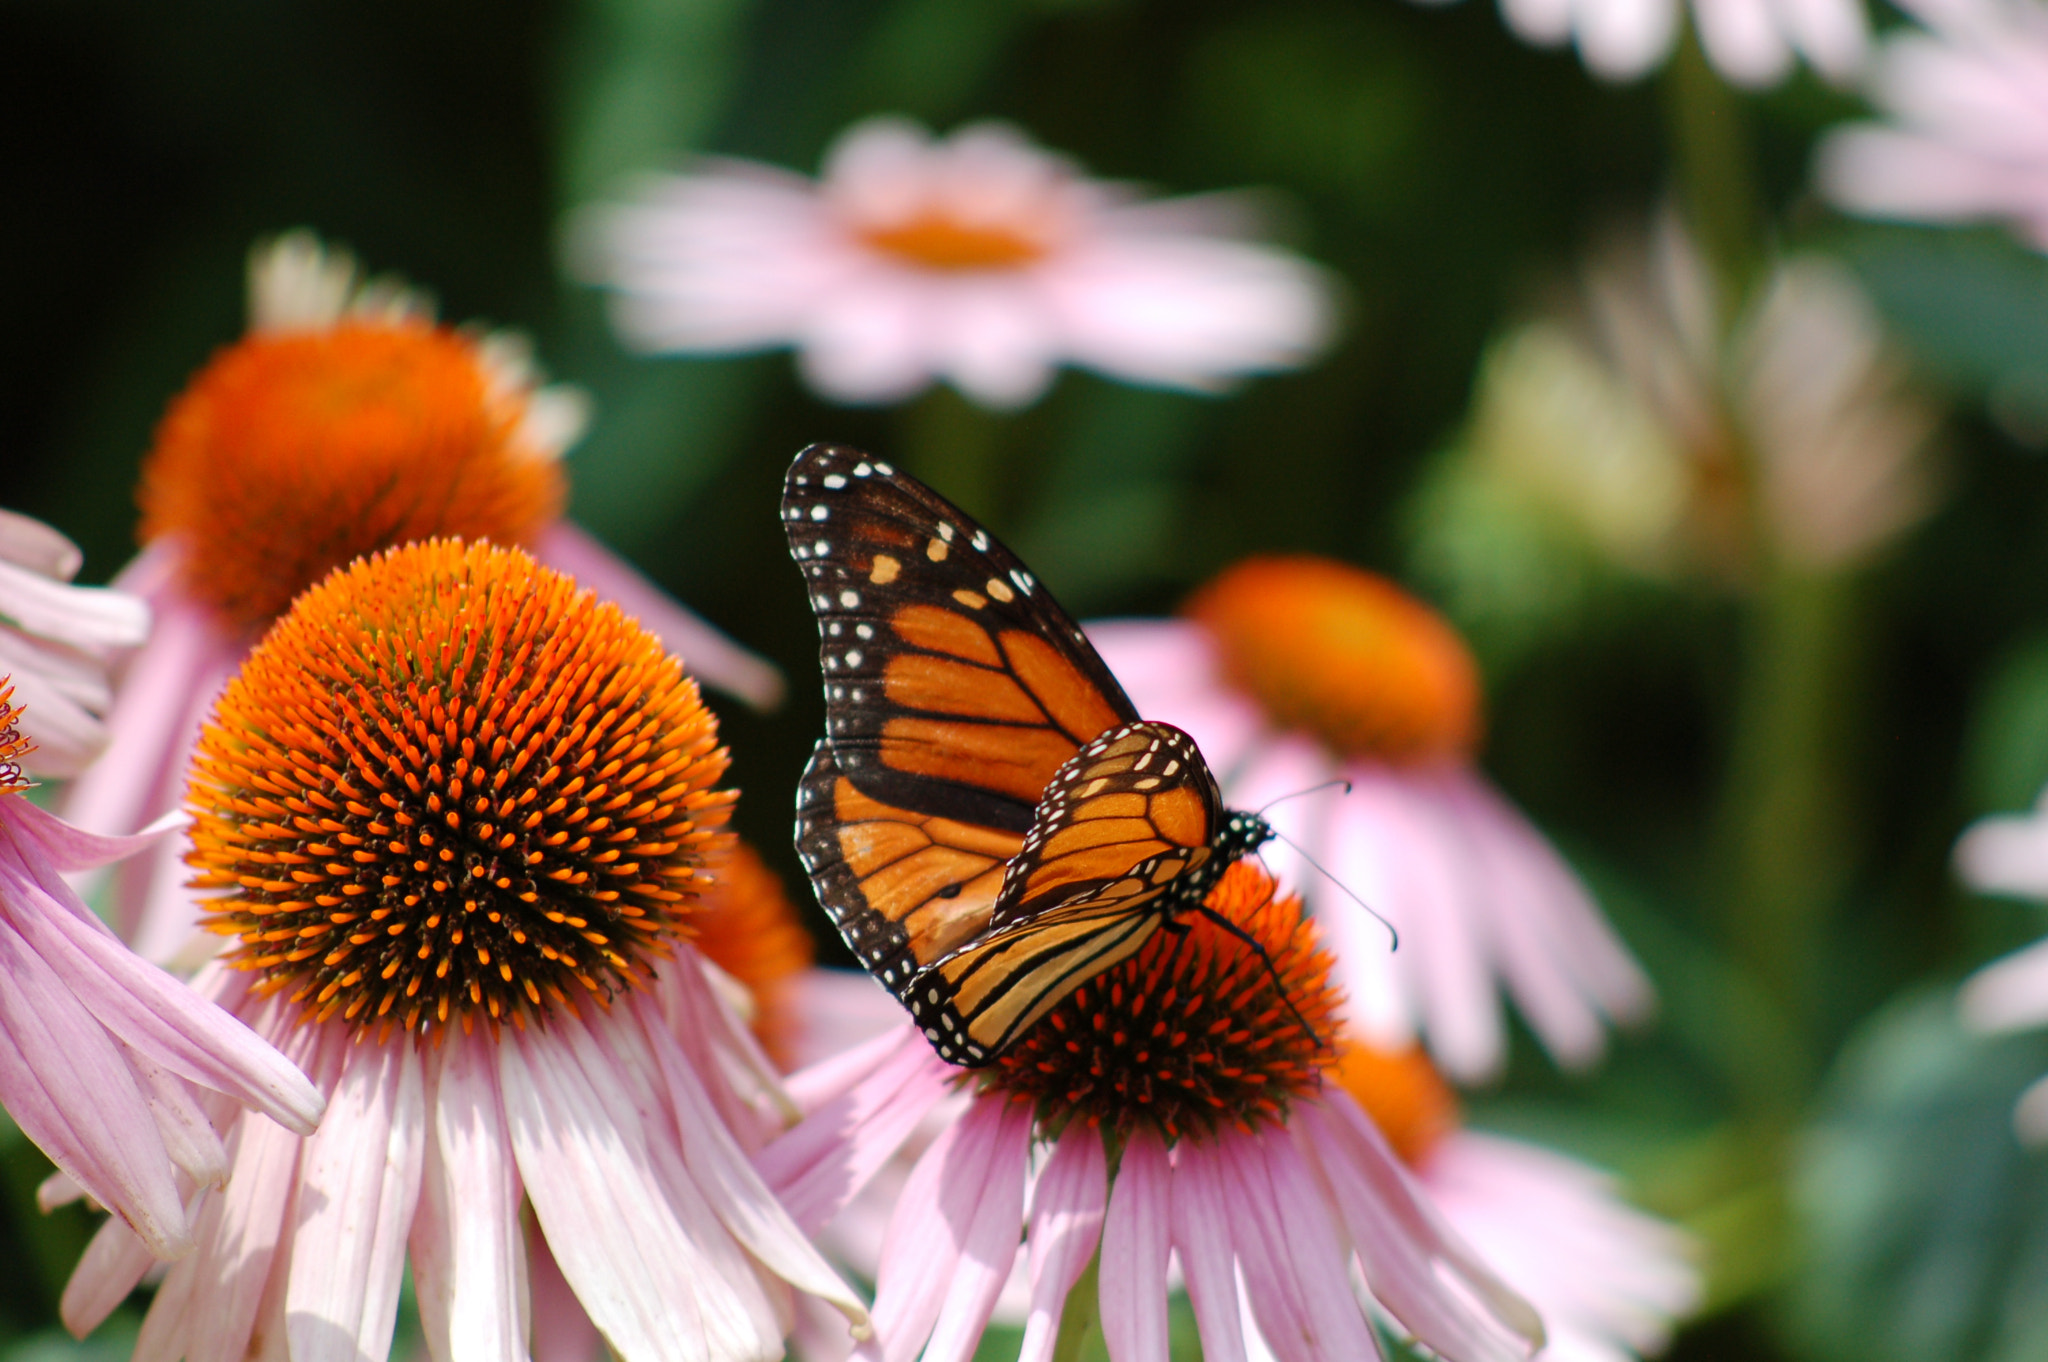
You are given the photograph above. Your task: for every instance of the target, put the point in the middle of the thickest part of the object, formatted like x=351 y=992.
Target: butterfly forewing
x=955 y=687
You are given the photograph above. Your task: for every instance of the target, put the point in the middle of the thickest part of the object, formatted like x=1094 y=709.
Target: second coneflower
x=1295 y=672
x=453 y=815
x=1181 y=1095
x=348 y=420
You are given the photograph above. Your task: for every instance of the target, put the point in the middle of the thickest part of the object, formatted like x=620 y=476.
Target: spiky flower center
x=1197 y=1031
x=292 y=453
x=448 y=784
x=1346 y=655
x=1403 y=1093
x=13 y=746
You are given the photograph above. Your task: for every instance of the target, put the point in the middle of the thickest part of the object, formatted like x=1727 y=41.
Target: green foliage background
x=1453 y=178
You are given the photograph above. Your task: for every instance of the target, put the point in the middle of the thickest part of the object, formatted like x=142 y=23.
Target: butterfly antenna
x=1278 y=981
x=1309 y=791
x=1393 y=933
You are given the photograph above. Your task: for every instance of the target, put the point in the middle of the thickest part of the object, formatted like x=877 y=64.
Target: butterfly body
x=987 y=819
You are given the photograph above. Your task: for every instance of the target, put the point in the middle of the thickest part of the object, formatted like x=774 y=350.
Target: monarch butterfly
x=987 y=819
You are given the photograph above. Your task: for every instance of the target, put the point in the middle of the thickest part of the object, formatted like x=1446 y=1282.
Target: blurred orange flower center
x=937 y=240
x=291 y=454
x=450 y=784
x=1346 y=655
x=1195 y=1031
x=1403 y=1093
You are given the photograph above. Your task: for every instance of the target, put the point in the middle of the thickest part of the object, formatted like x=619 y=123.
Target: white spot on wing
x=835 y=481
x=820 y=511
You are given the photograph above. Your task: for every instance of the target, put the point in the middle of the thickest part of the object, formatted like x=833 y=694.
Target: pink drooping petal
x=993 y=338
x=207 y=1308
x=169 y=1023
x=1623 y=39
x=738 y=1196
x=1379 y=987
x=838 y=1013
x=67 y=848
x=950 y=1244
x=583 y=1155
x=188 y=1136
x=987 y=1227
x=865 y=340
x=360 y=1181
x=1068 y=1204
x=1296 y=1274
x=467 y=1243
x=1136 y=1242
x=66 y=1084
x=824 y=1161
x=562 y=1329
x=707 y=654
x=114 y=1262
x=2009 y=993
x=87 y=616
x=725 y=1053
x=1203 y=1239
x=1286 y=764
x=1417 y=1268
x=1742 y=40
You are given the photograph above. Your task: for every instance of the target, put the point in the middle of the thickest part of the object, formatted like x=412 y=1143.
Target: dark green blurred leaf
x=2006 y=756
x=1926 y=1222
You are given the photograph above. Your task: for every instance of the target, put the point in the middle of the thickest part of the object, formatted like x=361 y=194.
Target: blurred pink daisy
x=1179 y=1103
x=1752 y=43
x=1969 y=96
x=978 y=259
x=1292 y=672
x=55 y=640
x=116 y=1070
x=1608 y=1279
x=346 y=421
x=2008 y=854
x=453 y=814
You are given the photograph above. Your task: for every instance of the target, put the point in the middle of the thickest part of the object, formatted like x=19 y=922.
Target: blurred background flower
x=976 y=258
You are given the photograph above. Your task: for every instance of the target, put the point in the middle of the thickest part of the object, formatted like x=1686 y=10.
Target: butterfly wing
x=955 y=688
x=1120 y=838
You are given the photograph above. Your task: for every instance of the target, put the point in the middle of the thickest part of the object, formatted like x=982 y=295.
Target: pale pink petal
x=562 y=1330
x=706 y=653
x=42 y=549
x=188 y=1136
x=1609 y=1279
x=1833 y=34
x=1417 y=1268
x=1286 y=764
x=726 y=1054
x=113 y=1264
x=1296 y=1274
x=2006 y=854
x=837 y=1012
x=1623 y=39
x=1742 y=40
x=1068 y=1204
x=1546 y=23
x=66 y=848
x=84 y=616
x=939 y=1259
x=467 y=1243
x=208 y=1306
x=64 y=1081
x=1185 y=311
x=826 y=1159
x=171 y=1024
x=1204 y=1240
x=1379 y=987
x=987 y=1225
x=2009 y=993
x=1136 y=1241
x=736 y=1192
x=584 y=1158
x=994 y=339
x=866 y=340
x=360 y=1180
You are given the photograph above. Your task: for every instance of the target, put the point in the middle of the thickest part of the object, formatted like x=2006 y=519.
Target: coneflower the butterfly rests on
x=987 y=818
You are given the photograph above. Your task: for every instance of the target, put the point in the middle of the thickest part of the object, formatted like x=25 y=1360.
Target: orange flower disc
x=747 y=926
x=1194 y=1032
x=1403 y=1093
x=1346 y=655
x=450 y=784
x=293 y=453
x=13 y=747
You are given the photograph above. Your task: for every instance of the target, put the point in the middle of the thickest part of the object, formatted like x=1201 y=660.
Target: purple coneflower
x=453 y=815
x=1293 y=672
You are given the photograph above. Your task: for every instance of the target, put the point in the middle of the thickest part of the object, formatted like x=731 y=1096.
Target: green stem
x=1717 y=189
x=956 y=447
x=1083 y=1312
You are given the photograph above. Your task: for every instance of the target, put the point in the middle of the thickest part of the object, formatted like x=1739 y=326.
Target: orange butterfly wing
x=955 y=687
